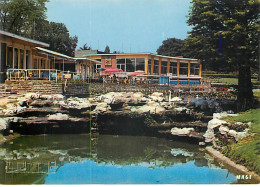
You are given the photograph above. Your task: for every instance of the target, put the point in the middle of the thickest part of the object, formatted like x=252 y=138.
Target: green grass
x=247 y=151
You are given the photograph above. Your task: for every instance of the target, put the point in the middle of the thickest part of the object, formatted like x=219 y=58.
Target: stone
x=232 y=133
x=3 y=123
x=58 y=97
x=209 y=134
x=181 y=109
x=46 y=97
x=31 y=96
x=152 y=107
x=175 y=99
x=223 y=130
x=202 y=144
x=58 y=117
x=102 y=107
x=181 y=131
x=76 y=103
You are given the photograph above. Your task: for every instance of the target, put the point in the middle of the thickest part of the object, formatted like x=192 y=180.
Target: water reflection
x=106 y=159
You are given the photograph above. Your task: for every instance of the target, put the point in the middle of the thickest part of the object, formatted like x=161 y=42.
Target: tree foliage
x=173 y=47
x=28 y=18
x=225 y=35
x=107 y=49
x=85 y=47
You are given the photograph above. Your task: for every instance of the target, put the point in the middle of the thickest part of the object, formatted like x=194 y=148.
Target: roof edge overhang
x=5 y=33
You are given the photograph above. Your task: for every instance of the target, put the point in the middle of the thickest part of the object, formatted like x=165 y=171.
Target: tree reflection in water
x=31 y=159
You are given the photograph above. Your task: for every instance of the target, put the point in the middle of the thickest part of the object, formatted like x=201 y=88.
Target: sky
x=129 y=26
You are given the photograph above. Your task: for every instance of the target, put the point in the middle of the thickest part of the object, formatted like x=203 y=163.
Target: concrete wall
x=74 y=89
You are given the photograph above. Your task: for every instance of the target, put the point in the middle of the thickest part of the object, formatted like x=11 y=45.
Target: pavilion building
x=179 y=70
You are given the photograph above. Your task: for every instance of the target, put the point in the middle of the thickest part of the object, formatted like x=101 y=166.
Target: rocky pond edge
x=154 y=104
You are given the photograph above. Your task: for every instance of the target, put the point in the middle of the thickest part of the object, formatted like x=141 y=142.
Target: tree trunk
x=245 y=98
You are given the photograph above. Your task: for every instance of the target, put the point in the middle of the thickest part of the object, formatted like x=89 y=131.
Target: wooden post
x=178 y=68
x=13 y=57
x=200 y=69
x=188 y=68
x=146 y=65
x=168 y=66
x=152 y=65
x=19 y=58
x=24 y=59
x=160 y=66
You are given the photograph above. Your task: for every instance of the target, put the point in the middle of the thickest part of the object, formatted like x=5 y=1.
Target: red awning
x=139 y=72
x=113 y=70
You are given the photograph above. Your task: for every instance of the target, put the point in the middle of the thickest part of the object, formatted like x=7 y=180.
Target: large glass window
x=194 y=69
x=130 y=65
x=140 y=64
x=173 y=68
x=120 y=64
x=9 y=57
x=164 y=68
x=156 y=67
x=184 y=69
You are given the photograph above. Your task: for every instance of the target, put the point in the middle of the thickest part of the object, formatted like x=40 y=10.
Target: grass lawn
x=247 y=151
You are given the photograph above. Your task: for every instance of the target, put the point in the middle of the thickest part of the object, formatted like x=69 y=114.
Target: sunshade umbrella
x=113 y=70
x=139 y=72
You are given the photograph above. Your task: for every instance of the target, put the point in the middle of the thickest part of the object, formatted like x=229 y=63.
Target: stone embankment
x=133 y=113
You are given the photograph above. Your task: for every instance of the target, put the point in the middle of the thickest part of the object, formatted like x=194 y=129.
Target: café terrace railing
x=42 y=74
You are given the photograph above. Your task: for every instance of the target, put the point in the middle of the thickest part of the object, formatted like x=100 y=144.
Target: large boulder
x=152 y=107
x=102 y=107
x=181 y=131
x=31 y=96
x=58 y=117
x=3 y=123
x=77 y=103
x=209 y=135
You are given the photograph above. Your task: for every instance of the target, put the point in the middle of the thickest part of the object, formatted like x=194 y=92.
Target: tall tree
x=173 y=47
x=19 y=16
x=57 y=35
x=225 y=33
x=107 y=49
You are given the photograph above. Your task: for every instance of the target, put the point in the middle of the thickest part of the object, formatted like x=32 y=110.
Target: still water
x=107 y=159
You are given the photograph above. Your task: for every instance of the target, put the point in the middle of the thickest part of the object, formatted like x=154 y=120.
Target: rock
x=32 y=96
x=152 y=107
x=181 y=110
x=181 y=131
x=175 y=99
x=102 y=107
x=209 y=135
x=58 y=97
x=78 y=103
x=58 y=117
x=223 y=130
x=46 y=97
x=3 y=123
x=241 y=135
x=202 y=144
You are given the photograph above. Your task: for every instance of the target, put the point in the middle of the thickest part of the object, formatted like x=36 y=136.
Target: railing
x=43 y=74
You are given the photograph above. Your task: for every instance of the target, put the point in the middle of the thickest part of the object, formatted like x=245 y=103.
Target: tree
x=28 y=18
x=107 y=49
x=57 y=35
x=225 y=34
x=85 y=47
x=19 y=16
x=172 y=47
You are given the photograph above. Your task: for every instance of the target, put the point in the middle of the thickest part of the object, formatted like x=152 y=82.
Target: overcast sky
x=124 y=25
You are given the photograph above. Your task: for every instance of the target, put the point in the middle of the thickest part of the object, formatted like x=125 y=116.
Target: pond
x=108 y=159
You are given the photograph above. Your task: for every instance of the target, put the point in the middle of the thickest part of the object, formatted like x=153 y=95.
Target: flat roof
x=86 y=58
x=8 y=34
x=54 y=54
x=162 y=56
